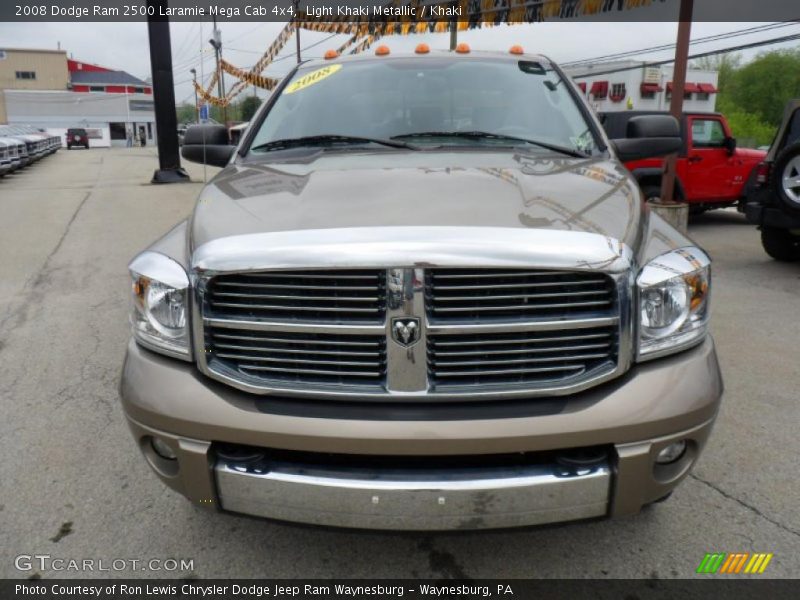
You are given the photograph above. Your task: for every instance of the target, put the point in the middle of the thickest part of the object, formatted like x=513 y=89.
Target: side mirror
x=207 y=144
x=729 y=143
x=649 y=136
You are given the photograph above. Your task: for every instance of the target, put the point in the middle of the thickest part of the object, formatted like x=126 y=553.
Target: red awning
x=688 y=88
x=582 y=85
x=707 y=88
x=651 y=88
x=599 y=89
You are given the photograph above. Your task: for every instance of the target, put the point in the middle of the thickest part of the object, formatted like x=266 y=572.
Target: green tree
x=186 y=113
x=248 y=107
x=725 y=65
x=764 y=86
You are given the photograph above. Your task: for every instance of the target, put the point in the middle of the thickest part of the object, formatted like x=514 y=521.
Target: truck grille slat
x=298 y=371
x=441 y=354
x=298 y=296
x=496 y=341
x=271 y=350
x=528 y=357
x=473 y=294
x=572 y=369
x=290 y=341
x=354 y=295
x=272 y=358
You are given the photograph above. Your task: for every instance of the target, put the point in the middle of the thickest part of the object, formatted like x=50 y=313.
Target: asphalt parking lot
x=74 y=486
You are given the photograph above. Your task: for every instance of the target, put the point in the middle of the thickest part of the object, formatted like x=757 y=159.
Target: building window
x=702 y=96
x=138 y=90
x=26 y=74
x=599 y=90
x=118 y=131
x=618 y=92
x=97 y=88
x=649 y=90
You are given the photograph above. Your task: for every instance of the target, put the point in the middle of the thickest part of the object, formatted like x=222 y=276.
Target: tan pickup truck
x=423 y=293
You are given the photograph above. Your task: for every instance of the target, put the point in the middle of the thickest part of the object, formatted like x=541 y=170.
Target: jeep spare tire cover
x=786 y=176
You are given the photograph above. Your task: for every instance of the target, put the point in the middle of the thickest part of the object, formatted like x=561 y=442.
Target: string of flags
x=365 y=31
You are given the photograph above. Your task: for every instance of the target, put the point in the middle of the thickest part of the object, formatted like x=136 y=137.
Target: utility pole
x=216 y=42
x=196 y=99
x=453 y=32
x=169 y=161
x=678 y=86
x=296 y=29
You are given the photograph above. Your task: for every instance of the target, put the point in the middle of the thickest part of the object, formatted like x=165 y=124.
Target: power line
x=769 y=42
x=702 y=40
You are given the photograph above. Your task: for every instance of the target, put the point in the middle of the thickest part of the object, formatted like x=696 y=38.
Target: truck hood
x=420 y=189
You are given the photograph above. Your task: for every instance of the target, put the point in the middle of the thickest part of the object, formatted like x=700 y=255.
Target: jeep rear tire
x=780 y=244
x=786 y=177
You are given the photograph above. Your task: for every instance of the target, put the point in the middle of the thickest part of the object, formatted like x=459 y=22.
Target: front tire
x=780 y=244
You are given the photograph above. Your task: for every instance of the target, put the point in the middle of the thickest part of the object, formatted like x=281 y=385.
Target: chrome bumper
x=415 y=499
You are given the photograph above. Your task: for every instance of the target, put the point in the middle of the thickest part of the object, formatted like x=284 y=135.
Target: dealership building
x=46 y=89
x=634 y=85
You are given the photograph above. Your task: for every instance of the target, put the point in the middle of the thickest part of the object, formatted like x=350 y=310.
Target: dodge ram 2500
x=423 y=293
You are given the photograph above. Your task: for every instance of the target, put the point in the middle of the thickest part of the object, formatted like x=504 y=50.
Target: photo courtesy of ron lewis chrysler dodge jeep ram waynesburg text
x=423 y=293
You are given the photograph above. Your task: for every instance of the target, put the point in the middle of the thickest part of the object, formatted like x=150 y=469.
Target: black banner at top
x=474 y=12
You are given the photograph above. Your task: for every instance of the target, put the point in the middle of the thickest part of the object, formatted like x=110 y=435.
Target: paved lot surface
x=74 y=486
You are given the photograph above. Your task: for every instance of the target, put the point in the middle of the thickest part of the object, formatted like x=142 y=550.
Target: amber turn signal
x=516 y=49
x=382 y=50
x=422 y=49
x=462 y=48
x=329 y=54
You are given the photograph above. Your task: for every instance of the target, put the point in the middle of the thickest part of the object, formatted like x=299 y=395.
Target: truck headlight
x=160 y=315
x=673 y=302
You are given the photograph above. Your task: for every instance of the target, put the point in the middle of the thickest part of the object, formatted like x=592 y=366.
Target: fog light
x=162 y=449
x=671 y=453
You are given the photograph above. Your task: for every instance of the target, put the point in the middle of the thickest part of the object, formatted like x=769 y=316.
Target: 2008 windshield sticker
x=311 y=78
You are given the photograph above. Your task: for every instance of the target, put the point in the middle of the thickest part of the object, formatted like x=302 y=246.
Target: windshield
x=429 y=102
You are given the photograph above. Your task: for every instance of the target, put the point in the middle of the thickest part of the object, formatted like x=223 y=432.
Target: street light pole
x=196 y=100
x=216 y=42
x=169 y=161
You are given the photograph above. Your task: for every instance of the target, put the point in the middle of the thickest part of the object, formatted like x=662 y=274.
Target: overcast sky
x=124 y=45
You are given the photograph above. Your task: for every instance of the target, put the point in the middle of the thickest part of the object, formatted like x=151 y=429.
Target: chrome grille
x=484 y=333
x=526 y=357
x=264 y=357
x=331 y=296
x=479 y=294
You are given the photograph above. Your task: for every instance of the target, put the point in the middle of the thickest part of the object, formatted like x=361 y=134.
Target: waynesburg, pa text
x=199 y=590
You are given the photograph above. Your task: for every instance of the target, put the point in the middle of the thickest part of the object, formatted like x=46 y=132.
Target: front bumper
x=631 y=419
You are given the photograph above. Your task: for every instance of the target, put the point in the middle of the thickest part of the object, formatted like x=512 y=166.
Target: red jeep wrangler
x=711 y=172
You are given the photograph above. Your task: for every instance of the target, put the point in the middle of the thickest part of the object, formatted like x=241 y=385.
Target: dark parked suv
x=774 y=201
x=77 y=137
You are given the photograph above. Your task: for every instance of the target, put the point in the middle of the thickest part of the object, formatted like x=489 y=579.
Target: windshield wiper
x=324 y=140
x=477 y=135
